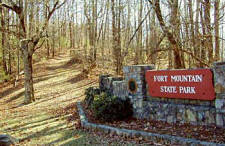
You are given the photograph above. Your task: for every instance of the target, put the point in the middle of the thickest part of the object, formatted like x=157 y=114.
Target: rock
x=191 y=116
x=201 y=117
x=179 y=117
x=219 y=120
x=219 y=78
x=170 y=119
x=220 y=104
x=139 y=103
x=120 y=89
x=210 y=118
x=7 y=140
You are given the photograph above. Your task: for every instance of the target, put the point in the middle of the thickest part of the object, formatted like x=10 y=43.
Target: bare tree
x=3 y=40
x=116 y=36
x=216 y=22
x=29 y=44
x=175 y=44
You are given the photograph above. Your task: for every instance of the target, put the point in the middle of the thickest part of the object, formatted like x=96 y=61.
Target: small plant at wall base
x=109 y=108
x=90 y=93
x=106 y=107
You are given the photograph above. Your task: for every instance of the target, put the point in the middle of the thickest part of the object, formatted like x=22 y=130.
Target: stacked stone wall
x=106 y=83
x=196 y=112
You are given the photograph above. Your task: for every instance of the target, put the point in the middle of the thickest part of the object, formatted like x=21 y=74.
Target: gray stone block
x=220 y=120
x=120 y=89
x=219 y=77
x=210 y=117
x=201 y=118
x=220 y=103
x=139 y=103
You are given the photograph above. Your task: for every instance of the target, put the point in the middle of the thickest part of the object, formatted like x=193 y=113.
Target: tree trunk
x=53 y=38
x=175 y=22
x=28 y=69
x=192 y=24
x=47 y=48
x=9 y=61
x=207 y=19
x=153 y=38
x=71 y=34
x=190 y=9
x=116 y=38
x=119 y=61
x=8 y=37
x=216 y=21
x=59 y=32
x=3 y=39
x=176 y=46
x=31 y=18
x=139 y=36
x=203 y=41
x=197 y=34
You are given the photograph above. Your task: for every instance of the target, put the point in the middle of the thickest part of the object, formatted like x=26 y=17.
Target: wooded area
x=111 y=33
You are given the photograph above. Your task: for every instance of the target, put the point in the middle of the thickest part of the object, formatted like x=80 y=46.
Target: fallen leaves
x=205 y=133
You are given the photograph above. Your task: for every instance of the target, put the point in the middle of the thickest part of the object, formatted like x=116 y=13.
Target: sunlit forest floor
x=57 y=85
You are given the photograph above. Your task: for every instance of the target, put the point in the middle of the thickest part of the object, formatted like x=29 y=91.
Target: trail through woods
x=58 y=83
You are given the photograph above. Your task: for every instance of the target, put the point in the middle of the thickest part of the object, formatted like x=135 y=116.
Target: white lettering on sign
x=187 y=90
x=160 y=78
x=186 y=78
x=178 y=78
x=173 y=89
x=168 y=89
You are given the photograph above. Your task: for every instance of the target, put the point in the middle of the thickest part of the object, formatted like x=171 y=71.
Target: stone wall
x=106 y=83
x=120 y=89
x=195 y=112
x=219 y=84
x=182 y=113
x=137 y=73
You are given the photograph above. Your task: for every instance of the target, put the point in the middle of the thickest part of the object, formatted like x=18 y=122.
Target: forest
x=107 y=35
x=178 y=34
x=169 y=34
x=183 y=34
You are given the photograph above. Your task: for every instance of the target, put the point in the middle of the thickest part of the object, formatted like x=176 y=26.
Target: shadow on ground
x=61 y=84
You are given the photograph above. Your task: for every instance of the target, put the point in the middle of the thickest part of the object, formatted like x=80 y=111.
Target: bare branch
x=139 y=26
x=18 y=10
x=39 y=46
x=55 y=7
x=61 y=4
x=13 y=7
x=150 y=2
x=6 y=6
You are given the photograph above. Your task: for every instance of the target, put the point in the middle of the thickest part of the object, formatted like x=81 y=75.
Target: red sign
x=182 y=84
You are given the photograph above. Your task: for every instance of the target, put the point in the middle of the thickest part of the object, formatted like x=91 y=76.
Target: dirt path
x=57 y=84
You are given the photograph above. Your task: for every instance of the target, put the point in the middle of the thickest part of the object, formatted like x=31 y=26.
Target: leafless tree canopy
x=111 y=33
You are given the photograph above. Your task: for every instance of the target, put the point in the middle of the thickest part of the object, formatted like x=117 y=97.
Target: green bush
x=90 y=93
x=109 y=108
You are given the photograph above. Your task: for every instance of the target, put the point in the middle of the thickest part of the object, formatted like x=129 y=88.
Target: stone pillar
x=135 y=80
x=219 y=84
